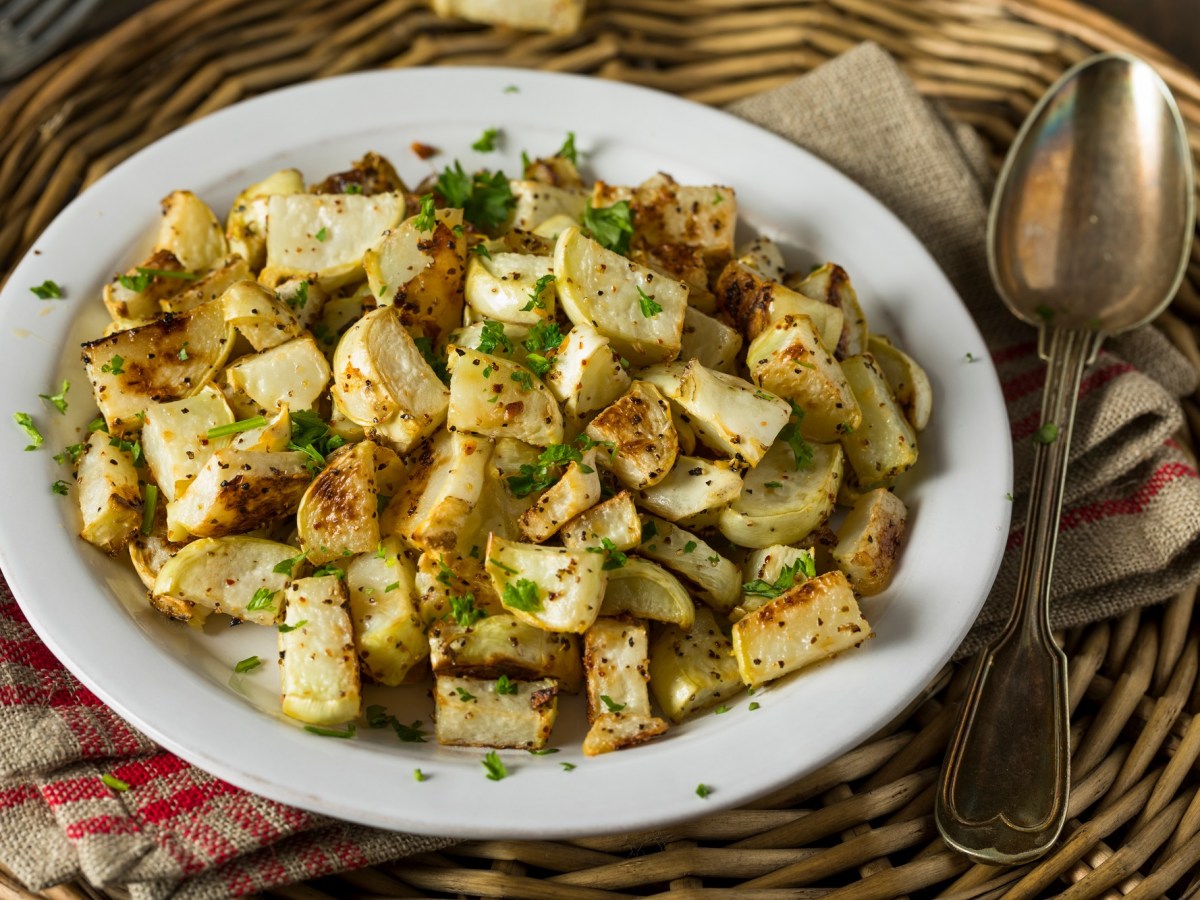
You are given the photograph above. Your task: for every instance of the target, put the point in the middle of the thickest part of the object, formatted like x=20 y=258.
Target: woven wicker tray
x=862 y=827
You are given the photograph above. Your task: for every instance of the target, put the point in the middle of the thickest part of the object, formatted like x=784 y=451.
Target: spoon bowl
x=1091 y=220
x=1089 y=235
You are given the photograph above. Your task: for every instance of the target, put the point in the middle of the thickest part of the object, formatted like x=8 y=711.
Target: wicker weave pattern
x=862 y=827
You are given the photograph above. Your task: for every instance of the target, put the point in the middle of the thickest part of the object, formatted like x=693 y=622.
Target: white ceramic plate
x=175 y=683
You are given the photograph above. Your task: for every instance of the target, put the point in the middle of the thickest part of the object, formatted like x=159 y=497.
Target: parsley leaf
x=418 y=775
x=612 y=705
x=47 y=290
x=264 y=598
x=425 y=220
x=114 y=782
x=482 y=250
x=25 y=423
x=703 y=790
x=525 y=380
x=60 y=487
x=322 y=235
x=567 y=150
x=248 y=664
x=487 y=142
x=495 y=768
x=545 y=335
x=464 y=611
x=464 y=695
x=568 y=767
x=133 y=448
x=535 y=296
x=115 y=366
x=311 y=435
x=539 y=364
x=284 y=628
x=288 y=565
x=611 y=226
x=505 y=686
x=236 y=427
x=149 y=508
x=522 y=594
x=791 y=434
x=613 y=558
x=1047 y=434
x=71 y=453
x=493 y=336
x=330 y=732
x=647 y=303
x=379 y=717
x=329 y=569
x=59 y=400
x=805 y=566
x=485 y=197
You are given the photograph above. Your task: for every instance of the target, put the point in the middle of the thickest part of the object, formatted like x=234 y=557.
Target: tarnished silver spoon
x=1089 y=235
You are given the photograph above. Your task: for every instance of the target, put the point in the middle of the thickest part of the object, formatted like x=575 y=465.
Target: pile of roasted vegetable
x=529 y=436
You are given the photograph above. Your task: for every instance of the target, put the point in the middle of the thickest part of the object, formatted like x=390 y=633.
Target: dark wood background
x=1172 y=24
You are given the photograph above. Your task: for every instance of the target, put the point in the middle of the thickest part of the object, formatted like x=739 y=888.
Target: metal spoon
x=1089 y=235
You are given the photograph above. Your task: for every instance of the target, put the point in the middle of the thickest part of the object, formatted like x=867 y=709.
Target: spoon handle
x=1003 y=792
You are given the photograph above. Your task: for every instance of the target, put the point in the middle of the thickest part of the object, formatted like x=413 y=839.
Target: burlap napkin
x=1130 y=537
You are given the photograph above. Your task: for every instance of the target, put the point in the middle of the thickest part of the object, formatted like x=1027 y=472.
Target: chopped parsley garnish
x=379 y=717
x=114 y=782
x=543 y=336
x=971 y=357
x=720 y=709
x=464 y=695
x=754 y=704
x=567 y=150
x=512 y=89
x=71 y=453
x=264 y=598
x=611 y=226
x=97 y=424
x=435 y=362
x=248 y=664
x=331 y=732
x=649 y=530
x=47 y=290
x=805 y=566
x=610 y=704
x=1047 y=434
x=284 y=628
x=690 y=547
x=703 y=790
x=773 y=484
x=59 y=400
x=538 y=363
x=485 y=197
x=464 y=611
x=493 y=336
x=547 y=470
x=482 y=250
x=288 y=565
x=613 y=558
x=149 y=508
x=445 y=574
x=790 y=433
x=25 y=423
x=717 y=197
x=322 y=235
x=713 y=560
x=487 y=141
x=299 y=298
x=524 y=380
x=394 y=586
x=60 y=487
x=418 y=775
x=352 y=188
x=425 y=220
x=237 y=427
x=495 y=768
x=115 y=366
x=329 y=569
x=522 y=594
x=311 y=436
x=535 y=296
x=505 y=686
x=1009 y=497
x=568 y=767
x=542 y=751
x=183 y=354
x=133 y=448
x=647 y=303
